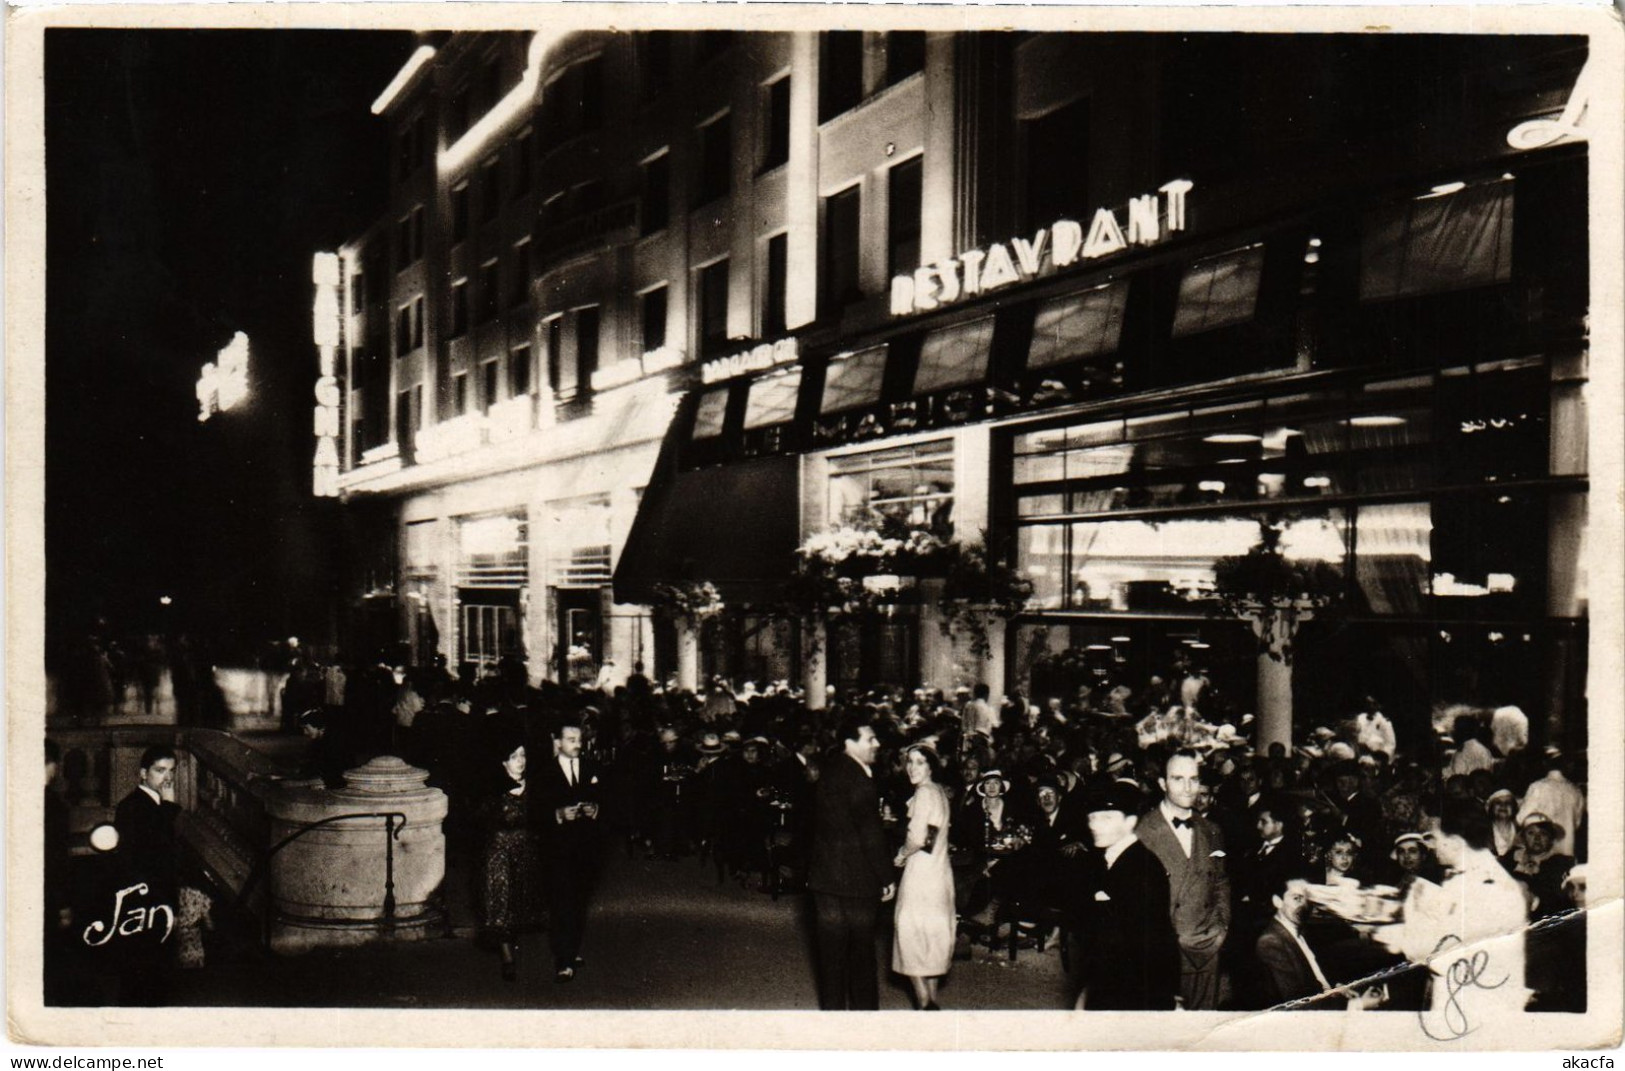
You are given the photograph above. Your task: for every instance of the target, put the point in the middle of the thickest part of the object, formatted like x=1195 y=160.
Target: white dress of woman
x=923 y=945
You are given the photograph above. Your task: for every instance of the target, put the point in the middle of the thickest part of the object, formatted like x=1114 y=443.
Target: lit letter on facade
x=999 y=269
x=1068 y=237
x=925 y=286
x=1176 y=191
x=1030 y=254
x=973 y=268
x=1142 y=220
x=327 y=333
x=902 y=295
x=948 y=274
x=1105 y=236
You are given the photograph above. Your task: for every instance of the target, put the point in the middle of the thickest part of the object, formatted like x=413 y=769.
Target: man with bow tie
x=1191 y=850
x=570 y=787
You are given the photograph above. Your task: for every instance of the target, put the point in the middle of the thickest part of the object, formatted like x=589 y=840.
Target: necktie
x=1182 y=823
x=572 y=773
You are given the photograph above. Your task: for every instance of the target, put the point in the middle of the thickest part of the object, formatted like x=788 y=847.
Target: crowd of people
x=1173 y=863
x=1292 y=875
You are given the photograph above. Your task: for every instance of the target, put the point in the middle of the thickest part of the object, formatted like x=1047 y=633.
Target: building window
x=403 y=242
x=778 y=282
x=1078 y=325
x=1219 y=291
x=406 y=151
x=840 y=73
x=418 y=317
x=772 y=400
x=490 y=190
x=521 y=155
x=418 y=217
x=589 y=197
x=712 y=314
x=403 y=330
x=519 y=273
x=712 y=411
x=776 y=116
x=1438 y=243
x=519 y=371
x=490 y=85
x=905 y=55
x=954 y=356
x=555 y=352
x=654 y=62
x=458 y=117
x=490 y=289
x=459 y=212
x=459 y=307
x=913 y=485
x=839 y=282
x=654 y=318
x=715 y=177
x=591 y=80
x=586 y=346
x=459 y=393
x=1055 y=162
x=490 y=384
x=656 y=206
x=854 y=381
x=903 y=191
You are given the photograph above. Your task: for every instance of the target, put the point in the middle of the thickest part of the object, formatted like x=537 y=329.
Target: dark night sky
x=190 y=176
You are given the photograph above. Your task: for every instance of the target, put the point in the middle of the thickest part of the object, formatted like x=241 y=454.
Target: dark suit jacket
x=1130 y=958
x=146 y=835
x=1198 y=886
x=1284 y=973
x=849 y=856
x=554 y=791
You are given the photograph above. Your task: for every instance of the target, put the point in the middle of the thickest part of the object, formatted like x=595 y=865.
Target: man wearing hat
x=1559 y=799
x=1129 y=959
x=1191 y=850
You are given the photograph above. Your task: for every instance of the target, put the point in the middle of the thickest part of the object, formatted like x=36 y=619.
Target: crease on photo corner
x=1340 y=1024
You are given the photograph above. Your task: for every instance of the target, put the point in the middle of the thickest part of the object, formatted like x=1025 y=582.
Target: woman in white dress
x=923 y=947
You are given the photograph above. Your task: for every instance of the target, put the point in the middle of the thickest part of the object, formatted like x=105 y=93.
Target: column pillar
x=815 y=664
x=688 y=656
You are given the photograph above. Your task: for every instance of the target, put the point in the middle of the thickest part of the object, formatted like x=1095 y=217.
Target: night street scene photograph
x=880 y=512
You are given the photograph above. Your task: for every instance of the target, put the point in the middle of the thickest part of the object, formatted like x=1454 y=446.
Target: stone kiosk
x=344 y=881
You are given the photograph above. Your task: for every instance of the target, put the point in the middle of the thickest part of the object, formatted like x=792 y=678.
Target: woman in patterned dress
x=923 y=945
x=509 y=882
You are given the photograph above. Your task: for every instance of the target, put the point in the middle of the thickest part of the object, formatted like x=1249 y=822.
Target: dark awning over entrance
x=734 y=525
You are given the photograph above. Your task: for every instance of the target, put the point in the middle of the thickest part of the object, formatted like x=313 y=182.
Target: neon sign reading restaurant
x=976 y=271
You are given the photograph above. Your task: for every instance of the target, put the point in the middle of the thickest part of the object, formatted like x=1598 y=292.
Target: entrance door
x=580 y=634
x=489 y=630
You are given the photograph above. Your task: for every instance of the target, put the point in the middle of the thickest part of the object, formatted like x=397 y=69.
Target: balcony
x=582 y=233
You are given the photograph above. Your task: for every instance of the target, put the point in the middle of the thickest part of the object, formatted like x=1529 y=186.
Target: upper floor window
x=520 y=153
x=459 y=212
x=1451 y=239
x=653 y=310
x=905 y=55
x=715 y=161
x=586 y=346
x=490 y=190
x=778 y=282
x=776 y=120
x=459 y=307
x=519 y=371
x=903 y=193
x=1055 y=163
x=490 y=289
x=712 y=310
x=654 y=62
x=519 y=275
x=841 y=251
x=490 y=384
x=840 y=72
x=656 y=201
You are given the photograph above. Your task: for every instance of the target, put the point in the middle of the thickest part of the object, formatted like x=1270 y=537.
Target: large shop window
x=1078 y=326
x=854 y=381
x=713 y=410
x=1447 y=240
x=954 y=356
x=772 y=400
x=913 y=485
x=493 y=551
x=1219 y=291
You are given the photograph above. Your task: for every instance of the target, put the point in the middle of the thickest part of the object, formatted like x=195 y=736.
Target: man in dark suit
x=570 y=786
x=850 y=873
x=1129 y=957
x=1191 y=850
x=146 y=820
x=1288 y=970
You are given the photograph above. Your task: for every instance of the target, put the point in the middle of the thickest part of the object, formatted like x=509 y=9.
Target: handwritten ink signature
x=1464 y=972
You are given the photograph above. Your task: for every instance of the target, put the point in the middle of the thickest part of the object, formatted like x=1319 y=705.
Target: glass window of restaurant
x=1430 y=498
x=910 y=485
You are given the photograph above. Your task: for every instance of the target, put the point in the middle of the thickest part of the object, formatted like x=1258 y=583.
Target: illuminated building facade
x=658 y=306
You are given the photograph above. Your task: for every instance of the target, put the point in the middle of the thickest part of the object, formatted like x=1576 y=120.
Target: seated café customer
x=1288 y=971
